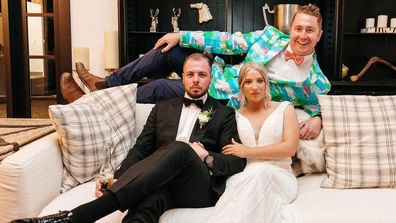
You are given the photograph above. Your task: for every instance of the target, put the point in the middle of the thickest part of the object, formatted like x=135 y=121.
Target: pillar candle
x=81 y=54
x=370 y=22
x=111 y=50
x=382 y=21
x=393 y=22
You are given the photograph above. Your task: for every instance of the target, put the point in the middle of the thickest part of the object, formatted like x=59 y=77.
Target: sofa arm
x=30 y=178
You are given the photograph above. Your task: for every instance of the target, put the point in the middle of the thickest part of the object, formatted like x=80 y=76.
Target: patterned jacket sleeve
x=320 y=85
x=219 y=42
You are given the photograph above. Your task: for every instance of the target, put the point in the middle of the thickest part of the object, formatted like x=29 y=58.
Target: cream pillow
x=360 y=138
x=310 y=153
x=96 y=132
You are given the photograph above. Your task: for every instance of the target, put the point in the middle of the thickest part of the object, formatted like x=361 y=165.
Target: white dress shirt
x=187 y=120
x=280 y=69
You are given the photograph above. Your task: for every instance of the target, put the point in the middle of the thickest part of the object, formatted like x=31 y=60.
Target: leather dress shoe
x=69 y=88
x=93 y=82
x=61 y=217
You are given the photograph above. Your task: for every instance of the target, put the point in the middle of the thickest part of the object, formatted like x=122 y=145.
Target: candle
x=370 y=22
x=393 y=22
x=111 y=50
x=81 y=54
x=382 y=21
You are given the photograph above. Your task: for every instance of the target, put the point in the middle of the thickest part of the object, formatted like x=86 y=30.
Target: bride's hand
x=98 y=187
x=235 y=149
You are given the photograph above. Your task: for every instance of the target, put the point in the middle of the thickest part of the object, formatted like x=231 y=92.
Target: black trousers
x=154 y=64
x=172 y=177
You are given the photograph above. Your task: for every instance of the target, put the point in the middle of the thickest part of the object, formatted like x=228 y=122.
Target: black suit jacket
x=161 y=129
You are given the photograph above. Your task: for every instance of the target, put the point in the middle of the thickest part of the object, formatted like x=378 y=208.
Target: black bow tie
x=198 y=103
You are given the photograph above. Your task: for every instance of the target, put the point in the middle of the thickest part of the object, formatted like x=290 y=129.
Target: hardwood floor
x=39 y=108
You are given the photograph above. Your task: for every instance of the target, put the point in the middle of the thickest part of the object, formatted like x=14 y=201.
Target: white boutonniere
x=204 y=117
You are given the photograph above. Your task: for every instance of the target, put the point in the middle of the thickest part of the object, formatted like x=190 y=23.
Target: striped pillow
x=360 y=138
x=96 y=132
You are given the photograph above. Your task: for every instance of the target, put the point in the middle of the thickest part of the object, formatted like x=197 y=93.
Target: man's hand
x=199 y=149
x=235 y=149
x=170 y=39
x=310 y=129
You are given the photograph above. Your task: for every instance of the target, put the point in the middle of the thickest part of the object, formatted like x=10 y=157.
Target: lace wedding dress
x=263 y=191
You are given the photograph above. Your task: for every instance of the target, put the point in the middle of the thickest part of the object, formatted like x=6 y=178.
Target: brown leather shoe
x=69 y=88
x=93 y=82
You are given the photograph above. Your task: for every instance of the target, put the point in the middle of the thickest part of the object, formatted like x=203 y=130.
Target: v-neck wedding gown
x=263 y=190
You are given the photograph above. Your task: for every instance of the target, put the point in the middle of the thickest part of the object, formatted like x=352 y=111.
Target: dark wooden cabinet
x=135 y=22
x=341 y=43
x=356 y=48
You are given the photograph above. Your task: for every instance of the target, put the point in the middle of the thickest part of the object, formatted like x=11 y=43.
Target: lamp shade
x=111 y=50
x=81 y=54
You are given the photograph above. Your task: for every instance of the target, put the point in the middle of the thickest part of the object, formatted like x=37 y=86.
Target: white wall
x=89 y=20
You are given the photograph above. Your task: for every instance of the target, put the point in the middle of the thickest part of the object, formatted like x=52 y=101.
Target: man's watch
x=318 y=115
x=209 y=161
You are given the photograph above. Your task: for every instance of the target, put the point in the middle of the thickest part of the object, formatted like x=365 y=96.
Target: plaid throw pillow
x=96 y=132
x=360 y=138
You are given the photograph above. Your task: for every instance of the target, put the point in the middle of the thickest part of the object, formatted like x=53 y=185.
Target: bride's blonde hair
x=242 y=76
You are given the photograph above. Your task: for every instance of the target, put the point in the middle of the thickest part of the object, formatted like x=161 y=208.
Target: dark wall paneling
x=247 y=16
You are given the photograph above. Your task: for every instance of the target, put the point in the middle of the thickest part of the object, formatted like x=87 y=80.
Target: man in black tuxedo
x=176 y=161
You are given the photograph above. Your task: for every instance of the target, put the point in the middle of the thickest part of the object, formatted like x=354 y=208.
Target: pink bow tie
x=297 y=59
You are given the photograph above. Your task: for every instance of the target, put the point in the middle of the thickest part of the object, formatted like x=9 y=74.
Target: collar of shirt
x=307 y=58
x=280 y=69
x=188 y=117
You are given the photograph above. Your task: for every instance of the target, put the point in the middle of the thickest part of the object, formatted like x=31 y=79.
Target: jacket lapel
x=173 y=116
x=199 y=132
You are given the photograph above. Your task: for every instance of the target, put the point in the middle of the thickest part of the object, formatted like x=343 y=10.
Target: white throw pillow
x=360 y=138
x=96 y=132
x=309 y=158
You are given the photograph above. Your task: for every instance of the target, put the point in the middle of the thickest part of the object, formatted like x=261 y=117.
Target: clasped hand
x=310 y=128
x=199 y=148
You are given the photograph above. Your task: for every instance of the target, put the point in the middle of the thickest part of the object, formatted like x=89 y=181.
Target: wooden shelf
x=369 y=34
x=363 y=83
x=362 y=88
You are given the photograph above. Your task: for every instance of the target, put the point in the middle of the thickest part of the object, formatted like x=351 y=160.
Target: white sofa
x=30 y=182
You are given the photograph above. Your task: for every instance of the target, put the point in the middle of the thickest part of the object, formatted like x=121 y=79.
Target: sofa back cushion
x=360 y=138
x=96 y=132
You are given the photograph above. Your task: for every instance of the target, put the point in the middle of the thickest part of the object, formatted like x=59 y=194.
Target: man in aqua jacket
x=291 y=63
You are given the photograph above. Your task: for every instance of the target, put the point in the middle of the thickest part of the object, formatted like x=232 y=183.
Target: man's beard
x=196 y=96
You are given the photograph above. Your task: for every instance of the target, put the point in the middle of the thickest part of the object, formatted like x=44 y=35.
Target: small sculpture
x=203 y=12
x=154 y=20
x=176 y=15
x=372 y=61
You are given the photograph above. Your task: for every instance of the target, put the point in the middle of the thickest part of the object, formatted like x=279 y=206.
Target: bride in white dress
x=269 y=135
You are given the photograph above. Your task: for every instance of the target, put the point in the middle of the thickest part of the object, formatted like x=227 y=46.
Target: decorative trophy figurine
x=176 y=15
x=154 y=19
x=203 y=12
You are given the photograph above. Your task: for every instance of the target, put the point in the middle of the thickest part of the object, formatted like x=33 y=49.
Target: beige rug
x=15 y=132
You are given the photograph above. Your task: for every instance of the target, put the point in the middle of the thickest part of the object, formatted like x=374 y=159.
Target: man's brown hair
x=198 y=56
x=309 y=9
